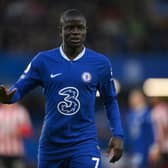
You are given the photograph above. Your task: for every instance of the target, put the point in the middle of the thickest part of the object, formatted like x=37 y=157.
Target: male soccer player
x=70 y=75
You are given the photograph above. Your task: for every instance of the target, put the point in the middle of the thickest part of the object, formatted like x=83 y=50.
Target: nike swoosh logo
x=55 y=75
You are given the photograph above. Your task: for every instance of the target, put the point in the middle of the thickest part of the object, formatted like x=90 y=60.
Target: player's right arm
x=27 y=81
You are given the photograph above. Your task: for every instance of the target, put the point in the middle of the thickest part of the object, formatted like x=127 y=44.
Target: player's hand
x=115 y=149
x=5 y=95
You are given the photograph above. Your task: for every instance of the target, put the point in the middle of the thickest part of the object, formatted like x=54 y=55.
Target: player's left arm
x=29 y=79
x=108 y=92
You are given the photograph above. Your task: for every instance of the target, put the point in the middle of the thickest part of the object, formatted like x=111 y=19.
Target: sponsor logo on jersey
x=70 y=104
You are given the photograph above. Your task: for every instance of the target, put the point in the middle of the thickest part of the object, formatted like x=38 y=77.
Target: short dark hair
x=71 y=13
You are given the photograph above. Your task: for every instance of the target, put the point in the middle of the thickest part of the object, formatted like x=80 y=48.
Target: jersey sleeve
x=108 y=93
x=29 y=79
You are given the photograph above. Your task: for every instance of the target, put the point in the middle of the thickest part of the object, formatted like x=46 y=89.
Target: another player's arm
x=107 y=91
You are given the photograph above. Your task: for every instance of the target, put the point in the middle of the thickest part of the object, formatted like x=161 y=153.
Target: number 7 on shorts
x=97 y=160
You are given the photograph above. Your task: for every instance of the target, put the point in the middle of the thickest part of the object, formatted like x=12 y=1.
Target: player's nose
x=75 y=30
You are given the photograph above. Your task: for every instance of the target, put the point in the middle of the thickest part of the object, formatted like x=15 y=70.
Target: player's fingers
x=110 y=148
x=109 y=151
x=2 y=89
x=12 y=92
x=113 y=159
x=116 y=155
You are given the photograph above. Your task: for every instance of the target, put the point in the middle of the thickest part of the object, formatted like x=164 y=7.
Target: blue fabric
x=84 y=154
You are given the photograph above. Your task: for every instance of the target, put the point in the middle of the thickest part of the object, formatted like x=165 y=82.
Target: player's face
x=73 y=31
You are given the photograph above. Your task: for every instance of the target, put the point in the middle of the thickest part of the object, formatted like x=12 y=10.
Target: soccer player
x=70 y=76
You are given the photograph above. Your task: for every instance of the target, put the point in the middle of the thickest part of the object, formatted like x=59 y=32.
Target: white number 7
x=97 y=161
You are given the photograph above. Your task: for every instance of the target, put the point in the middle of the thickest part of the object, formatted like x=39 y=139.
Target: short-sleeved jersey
x=70 y=91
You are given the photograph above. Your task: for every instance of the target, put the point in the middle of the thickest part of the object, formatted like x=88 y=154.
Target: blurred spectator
x=114 y=26
x=15 y=125
x=139 y=132
x=159 y=151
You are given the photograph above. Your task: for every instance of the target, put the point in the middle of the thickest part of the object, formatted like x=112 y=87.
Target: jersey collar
x=80 y=55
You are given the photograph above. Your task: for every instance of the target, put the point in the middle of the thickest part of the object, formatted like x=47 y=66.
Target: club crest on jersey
x=86 y=77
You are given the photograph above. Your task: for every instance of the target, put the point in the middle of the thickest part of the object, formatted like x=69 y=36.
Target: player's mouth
x=75 y=40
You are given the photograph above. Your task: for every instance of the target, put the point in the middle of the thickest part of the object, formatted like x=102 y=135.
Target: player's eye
x=71 y=28
x=68 y=27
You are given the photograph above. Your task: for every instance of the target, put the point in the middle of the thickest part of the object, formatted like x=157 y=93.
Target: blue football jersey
x=70 y=91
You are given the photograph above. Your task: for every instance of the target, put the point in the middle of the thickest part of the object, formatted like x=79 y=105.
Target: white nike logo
x=55 y=75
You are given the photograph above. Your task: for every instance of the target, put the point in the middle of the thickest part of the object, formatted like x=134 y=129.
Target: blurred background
x=133 y=34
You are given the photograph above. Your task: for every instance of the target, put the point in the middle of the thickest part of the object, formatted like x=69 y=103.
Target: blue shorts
x=83 y=155
x=74 y=162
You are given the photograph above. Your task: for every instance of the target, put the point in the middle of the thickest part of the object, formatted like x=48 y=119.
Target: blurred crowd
x=125 y=26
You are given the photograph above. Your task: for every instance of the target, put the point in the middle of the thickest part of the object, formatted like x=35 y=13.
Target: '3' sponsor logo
x=70 y=105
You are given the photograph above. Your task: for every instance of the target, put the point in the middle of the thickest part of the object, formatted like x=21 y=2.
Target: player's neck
x=72 y=53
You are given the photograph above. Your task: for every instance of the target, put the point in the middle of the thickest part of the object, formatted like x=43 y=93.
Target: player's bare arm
x=5 y=95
